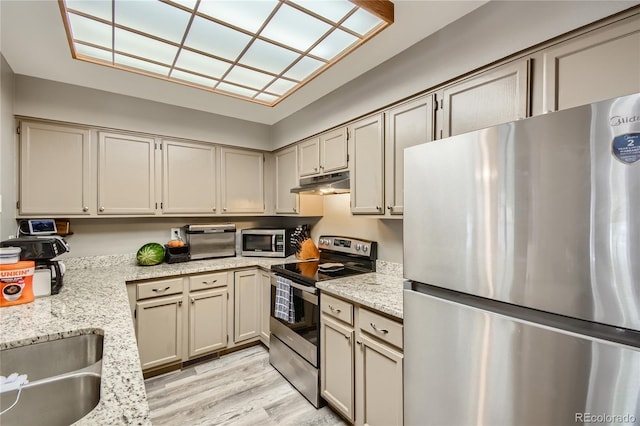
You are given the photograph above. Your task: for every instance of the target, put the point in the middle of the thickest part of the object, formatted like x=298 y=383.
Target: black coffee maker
x=42 y=250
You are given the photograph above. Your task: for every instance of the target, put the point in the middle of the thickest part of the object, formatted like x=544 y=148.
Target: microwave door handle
x=273 y=243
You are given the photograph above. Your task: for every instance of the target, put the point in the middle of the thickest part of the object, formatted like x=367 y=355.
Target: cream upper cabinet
x=286 y=178
x=242 y=185
x=367 y=168
x=325 y=153
x=408 y=124
x=496 y=96
x=55 y=153
x=599 y=65
x=333 y=150
x=189 y=181
x=247 y=305
x=126 y=174
x=309 y=151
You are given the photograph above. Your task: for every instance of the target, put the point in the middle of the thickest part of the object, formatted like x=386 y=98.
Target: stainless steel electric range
x=295 y=342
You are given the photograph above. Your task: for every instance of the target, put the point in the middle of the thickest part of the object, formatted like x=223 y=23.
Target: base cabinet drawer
x=159 y=288
x=383 y=328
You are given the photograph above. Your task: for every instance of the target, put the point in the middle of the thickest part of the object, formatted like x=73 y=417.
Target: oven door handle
x=305 y=288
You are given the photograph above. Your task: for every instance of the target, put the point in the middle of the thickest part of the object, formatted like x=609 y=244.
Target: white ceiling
x=34 y=43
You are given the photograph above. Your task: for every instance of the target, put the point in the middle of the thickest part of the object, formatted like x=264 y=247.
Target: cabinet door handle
x=224 y=209
x=334 y=309
x=161 y=290
x=209 y=282
x=214 y=209
x=377 y=207
x=348 y=338
x=381 y=330
x=294 y=209
x=85 y=209
x=101 y=209
x=179 y=303
x=315 y=169
x=193 y=300
x=389 y=208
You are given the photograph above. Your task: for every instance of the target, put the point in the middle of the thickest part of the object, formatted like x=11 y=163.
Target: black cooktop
x=339 y=257
x=309 y=272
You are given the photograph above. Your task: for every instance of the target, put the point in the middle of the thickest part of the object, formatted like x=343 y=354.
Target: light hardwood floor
x=240 y=388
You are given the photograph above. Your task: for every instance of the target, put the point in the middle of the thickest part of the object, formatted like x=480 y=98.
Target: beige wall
x=93 y=237
x=338 y=220
x=7 y=151
x=35 y=97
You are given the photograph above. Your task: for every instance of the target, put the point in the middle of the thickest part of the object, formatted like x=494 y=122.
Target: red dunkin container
x=16 y=283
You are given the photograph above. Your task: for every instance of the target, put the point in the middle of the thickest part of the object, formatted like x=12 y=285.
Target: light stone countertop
x=378 y=291
x=94 y=300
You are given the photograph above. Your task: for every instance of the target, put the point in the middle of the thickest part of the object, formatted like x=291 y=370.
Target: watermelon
x=150 y=254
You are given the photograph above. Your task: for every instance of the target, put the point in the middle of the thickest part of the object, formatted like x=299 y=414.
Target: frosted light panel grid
x=256 y=50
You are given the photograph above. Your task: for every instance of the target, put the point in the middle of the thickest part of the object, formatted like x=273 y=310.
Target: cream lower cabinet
x=337 y=368
x=178 y=319
x=208 y=300
x=363 y=381
x=55 y=153
x=159 y=322
x=379 y=364
x=367 y=165
x=265 y=307
x=247 y=305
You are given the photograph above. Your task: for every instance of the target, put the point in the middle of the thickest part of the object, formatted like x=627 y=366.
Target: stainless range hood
x=332 y=183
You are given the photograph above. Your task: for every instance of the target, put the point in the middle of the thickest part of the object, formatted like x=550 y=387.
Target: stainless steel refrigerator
x=522 y=259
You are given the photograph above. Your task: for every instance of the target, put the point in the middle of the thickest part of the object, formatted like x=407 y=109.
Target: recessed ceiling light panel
x=256 y=50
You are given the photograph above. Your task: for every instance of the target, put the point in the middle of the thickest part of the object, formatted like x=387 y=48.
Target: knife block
x=308 y=250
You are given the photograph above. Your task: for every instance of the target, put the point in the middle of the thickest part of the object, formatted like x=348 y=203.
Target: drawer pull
x=335 y=309
x=161 y=290
x=381 y=330
x=209 y=282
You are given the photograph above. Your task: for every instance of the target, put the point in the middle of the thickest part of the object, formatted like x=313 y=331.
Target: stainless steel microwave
x=267 y=242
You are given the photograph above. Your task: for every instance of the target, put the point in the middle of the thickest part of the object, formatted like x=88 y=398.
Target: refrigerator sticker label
x=626 y=148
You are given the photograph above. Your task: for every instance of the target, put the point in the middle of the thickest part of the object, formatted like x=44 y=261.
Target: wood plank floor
x=240 y=388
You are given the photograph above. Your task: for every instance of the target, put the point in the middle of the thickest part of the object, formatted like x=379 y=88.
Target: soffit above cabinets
x=259 y=51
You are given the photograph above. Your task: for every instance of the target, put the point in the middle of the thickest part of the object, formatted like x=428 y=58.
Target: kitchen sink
x=64 y=379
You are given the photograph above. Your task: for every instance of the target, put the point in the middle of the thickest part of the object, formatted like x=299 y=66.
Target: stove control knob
x=324 y=242
x=365 y=248
x=358 y=247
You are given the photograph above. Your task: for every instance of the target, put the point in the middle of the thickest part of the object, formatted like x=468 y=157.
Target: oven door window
x=253 y=242
x=305 y=315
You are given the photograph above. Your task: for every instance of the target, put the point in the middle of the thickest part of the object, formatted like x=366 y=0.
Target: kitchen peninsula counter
x=378 y=291
x=94 y=300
